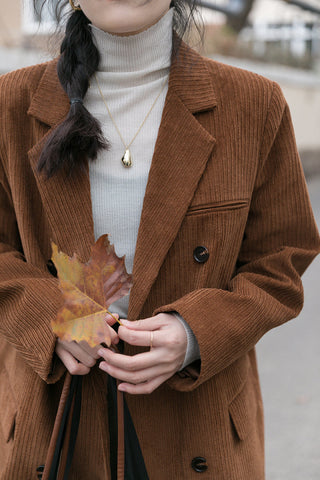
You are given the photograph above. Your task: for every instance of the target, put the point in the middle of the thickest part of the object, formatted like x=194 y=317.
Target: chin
x=121 y=28
x=124 y=19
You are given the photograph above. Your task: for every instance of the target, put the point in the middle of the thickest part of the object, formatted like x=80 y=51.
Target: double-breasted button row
x=201 y=254
x=199 y=464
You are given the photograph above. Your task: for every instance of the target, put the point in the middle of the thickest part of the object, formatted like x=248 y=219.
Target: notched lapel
x=181 y=153
x=50 y=103
x=66 y=199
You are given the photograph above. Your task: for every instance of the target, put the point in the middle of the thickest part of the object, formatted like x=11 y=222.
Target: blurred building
x=275 y=26
x=281 y=42
x=10 y=22
x=23 y=39
x=19 y=22
x=276 y=31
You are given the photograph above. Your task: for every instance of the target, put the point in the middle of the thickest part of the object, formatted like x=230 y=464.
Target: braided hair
x=79 y=137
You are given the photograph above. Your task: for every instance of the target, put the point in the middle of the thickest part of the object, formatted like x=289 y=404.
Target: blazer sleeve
x=29 y=297
x=280 y=241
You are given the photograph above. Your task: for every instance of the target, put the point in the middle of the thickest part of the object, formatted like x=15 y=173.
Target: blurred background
x=279 y=39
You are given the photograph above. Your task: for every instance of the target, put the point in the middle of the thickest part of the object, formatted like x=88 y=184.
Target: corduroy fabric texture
x=225 y=175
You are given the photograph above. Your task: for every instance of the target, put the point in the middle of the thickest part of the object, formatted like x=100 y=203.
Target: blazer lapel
x=182 y=150
x=66 y=199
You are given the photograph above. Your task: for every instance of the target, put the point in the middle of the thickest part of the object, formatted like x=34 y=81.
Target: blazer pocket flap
x=8 y=406
x=243 y=409
x=222 y=206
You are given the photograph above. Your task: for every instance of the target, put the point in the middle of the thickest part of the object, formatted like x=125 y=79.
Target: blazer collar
x=189 y=78
x=50 y=103
x=182 y=151
x=191 y=81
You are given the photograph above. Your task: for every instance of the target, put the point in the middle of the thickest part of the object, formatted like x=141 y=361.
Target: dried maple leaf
x=88 y=290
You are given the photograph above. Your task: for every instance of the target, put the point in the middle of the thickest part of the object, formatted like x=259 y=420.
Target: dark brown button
x=201 y=254
x=52 y=268
x=199 y=464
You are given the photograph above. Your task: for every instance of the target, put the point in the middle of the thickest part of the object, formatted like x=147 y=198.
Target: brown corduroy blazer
x=225 y=175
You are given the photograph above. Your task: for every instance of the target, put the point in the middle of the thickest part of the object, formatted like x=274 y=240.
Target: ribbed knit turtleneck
x=148 y=52
x=132 y=71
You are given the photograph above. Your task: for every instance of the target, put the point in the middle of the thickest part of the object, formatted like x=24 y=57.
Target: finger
x=143 y=388
x=72 y=365
x=152 y=323
x=143 y=338
x=140 y=376
x=92 y=351
x=79 y=353
x=111 y=319
x=136 y=362
x=147 y=338
x=113 y=336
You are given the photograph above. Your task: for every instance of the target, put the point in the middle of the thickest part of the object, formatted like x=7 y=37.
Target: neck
x=147 y=51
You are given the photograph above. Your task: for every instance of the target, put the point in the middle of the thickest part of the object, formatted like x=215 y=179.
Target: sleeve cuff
x=193 y=350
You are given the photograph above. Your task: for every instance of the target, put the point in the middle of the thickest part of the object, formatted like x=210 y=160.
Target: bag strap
x=121 y=440
x=71 y=432
x=64 y=451
x=126 y=458
x=129 y=459
x=56 y=428
x=63 y=438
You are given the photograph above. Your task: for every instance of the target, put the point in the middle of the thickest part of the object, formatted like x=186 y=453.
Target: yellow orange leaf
x=88 y=290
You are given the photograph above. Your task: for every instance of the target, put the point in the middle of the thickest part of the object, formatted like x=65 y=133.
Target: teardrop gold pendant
x=127 y=159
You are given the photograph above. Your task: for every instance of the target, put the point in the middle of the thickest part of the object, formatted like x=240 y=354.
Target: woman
x=225 y=232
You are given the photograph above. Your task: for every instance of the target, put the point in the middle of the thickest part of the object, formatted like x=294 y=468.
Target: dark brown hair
x=80 y=136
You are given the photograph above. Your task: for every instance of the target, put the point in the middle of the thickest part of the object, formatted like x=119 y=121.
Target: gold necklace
x=127 y=157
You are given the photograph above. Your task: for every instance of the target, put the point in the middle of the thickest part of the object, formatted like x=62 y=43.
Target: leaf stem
x=114 y=318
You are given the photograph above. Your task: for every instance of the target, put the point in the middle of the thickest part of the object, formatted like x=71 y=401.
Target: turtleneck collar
x=147 y=51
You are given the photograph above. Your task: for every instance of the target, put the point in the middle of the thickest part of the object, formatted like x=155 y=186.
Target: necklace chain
x=127 y=146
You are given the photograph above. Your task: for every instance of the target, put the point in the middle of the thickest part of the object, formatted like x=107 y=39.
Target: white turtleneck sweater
x=132 y=72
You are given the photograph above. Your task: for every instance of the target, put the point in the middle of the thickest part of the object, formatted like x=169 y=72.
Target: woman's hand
x=79 y=358
x=144 y=372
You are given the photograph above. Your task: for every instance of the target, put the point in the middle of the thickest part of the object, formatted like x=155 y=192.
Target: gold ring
x=151 y=339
